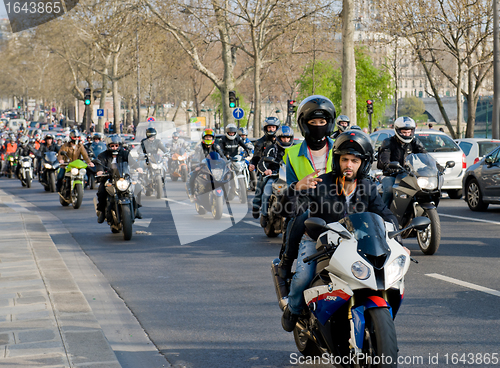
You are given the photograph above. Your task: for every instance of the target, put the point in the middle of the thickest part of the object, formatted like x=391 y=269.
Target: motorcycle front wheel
x=28 y=180
x=158 y=187
x=242 y=190
x=429 y=239
x=216 y=207
x=126 y=222
x=184 y=173
x=380 y=340
x=52 y=181
x=77 y=196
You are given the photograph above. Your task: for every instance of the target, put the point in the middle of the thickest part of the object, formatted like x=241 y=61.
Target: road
x=211 y=302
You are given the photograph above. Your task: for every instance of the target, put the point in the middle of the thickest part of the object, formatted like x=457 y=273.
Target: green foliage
x=412 y=107
x=371 y=84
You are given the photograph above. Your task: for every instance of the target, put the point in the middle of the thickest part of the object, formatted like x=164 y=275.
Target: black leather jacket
x=106 y=158
x=276 y=153
x=392 y=150
x=260 y=146
x=201 y=151
x=230 y=147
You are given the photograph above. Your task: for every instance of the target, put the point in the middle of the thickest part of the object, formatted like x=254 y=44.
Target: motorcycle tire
x=217 y=204
x=184 y=174
x=52 y=182
x=174 y=178
x=158 y=187
x=270 y=231
x=200 y=209
x=28 y=180
x=127 y=222
x=305 y=345
x=380 y=338
x=429 y=239
x=77 y=196
x=92 y=182
x=148 y=192
x=62 y=201
x=242 y=190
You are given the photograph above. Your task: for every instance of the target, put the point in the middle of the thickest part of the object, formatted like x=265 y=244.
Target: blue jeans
x=60 y=177
x=304 y=274
x=387 y=184
x=261 y=183
x=268 y=190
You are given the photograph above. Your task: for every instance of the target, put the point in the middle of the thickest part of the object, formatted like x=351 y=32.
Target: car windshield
x=487 y=147
x=437 y=142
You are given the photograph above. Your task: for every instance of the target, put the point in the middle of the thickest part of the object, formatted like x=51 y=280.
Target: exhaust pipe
x=280 y=285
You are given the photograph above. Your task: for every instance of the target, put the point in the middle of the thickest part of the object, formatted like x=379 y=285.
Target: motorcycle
x=356 y=292
x=10 y=169
x=276 y=222
x=26 y=170
x=241 y=179
x=120 y=200
x=177 y=165
x=416 y=192
x=209 y=185
x=152 y=178
x=72 y=187
x=48 y=169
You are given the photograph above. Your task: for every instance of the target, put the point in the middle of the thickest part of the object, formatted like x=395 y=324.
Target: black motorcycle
x=48 y=170
x=416 y=192
x=276 y=222
x=26 y=170
x=210 y=185
x=120 y=200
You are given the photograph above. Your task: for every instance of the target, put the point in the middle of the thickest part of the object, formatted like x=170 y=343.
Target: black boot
x=100 y=217
x=255 y=212
x=264 y=220
x=289 y=320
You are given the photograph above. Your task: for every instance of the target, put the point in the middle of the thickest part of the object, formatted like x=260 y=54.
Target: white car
x=442 y=148
x=476 y=148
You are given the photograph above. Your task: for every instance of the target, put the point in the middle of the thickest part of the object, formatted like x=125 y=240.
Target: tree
x=411 y=106
x=348 y=62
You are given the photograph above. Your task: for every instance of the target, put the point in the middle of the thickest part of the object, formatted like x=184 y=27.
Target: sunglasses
x=114 y=145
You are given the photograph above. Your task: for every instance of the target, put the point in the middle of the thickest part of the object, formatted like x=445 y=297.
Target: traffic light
x=291 y=107
x=232 y=99
x=369 y=106
x=87 y=98
x=20 y=104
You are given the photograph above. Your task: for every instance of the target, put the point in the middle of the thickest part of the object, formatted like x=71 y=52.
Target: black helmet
x=231 y=128
x=355 y=127
x=341 y=118
x=175 y=136
x=113 y=139
x=49 y=136
x=243 y=131
x=74 y=135
x=284 y=131
x=357 y=143
x=404 y=123
x=314 y=107
x=150 y=132
x=97 y=136
x=271 y=121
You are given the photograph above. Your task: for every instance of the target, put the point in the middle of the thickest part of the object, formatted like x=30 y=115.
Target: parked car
x=476 y=148
x=442 y=148
x=481 y=182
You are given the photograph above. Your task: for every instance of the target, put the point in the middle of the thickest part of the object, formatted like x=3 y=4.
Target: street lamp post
x=138 y=78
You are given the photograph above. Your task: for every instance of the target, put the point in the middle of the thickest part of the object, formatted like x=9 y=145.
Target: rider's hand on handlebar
x=140 y=170
x=268 y=172
x=99 y=173
x=310 y=181
x=61 y=161
x=251 y=167
x=91 y=164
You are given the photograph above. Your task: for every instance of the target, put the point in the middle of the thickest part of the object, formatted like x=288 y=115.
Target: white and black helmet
x=404 y=123
x=231 y=128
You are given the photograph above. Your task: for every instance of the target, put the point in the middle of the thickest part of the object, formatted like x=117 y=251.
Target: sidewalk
x=45 y=320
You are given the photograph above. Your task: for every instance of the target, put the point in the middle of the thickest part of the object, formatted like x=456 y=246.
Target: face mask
x=316 y=139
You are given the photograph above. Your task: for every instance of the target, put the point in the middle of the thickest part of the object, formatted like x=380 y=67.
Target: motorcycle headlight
x=425 y=182
x=395 y=270
x=26 y=164
x=217 y=174
x=74 y=171
x=122 y=184
x=360 y=270
x=83 y=172
x=48 y=166
x=154 y=166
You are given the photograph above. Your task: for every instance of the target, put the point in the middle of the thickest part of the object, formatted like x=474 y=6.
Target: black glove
x=285 y=268
x=440 y=168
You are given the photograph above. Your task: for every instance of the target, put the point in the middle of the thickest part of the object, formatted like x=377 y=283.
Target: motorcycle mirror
x=394 y=165
x=420 y=223
x=315 y=226
x=450 y=164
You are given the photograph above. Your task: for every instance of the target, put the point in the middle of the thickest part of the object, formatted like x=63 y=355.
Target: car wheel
x=475 y=197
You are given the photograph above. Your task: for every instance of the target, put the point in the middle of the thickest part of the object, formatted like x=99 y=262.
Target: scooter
x=209 y=185
x=356 y=292
x=48 y=169
x=416 y=192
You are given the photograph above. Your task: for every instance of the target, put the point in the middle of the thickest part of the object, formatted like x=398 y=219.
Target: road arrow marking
x=143 y=222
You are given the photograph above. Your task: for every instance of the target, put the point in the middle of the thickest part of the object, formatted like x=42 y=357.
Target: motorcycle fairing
x=358 y=316
x=219 y=192
x=79 y=164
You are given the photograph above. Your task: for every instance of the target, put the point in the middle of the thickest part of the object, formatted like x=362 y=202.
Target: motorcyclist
x=232 y=141
x=243 y=133
x=201 y=151
x=343 y=123
x=333 y=196
x=24 y=149
x=97 y=146
x=46 y=146
x=177 y=145
x=114 y=153
x=150 y=145
x=276 y=151
x=69 y=152
x=270 y=126
x=397 y=148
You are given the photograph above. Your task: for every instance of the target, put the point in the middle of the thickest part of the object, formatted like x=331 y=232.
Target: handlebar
x=313 y=257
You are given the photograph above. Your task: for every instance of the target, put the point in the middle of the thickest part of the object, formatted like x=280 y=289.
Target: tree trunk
x=116 y=95
x=102 y=102
x=257 y=98
x=472 y=98
x=348 y=62
x=459 y=97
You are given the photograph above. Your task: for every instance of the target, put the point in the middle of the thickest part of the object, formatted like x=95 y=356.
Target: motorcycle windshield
x=369 y=230
x=50 y=156
x=217 y=167
x=422 y=164
x=119 y=169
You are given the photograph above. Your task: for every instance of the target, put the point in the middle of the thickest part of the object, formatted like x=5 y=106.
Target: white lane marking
x=470 y=218
x=143 y=222
x=464 y=283
x=191 y=204
x=252 y=223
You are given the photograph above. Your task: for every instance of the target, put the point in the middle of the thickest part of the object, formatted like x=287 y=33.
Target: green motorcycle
x=10 y=169
x=72 y=187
